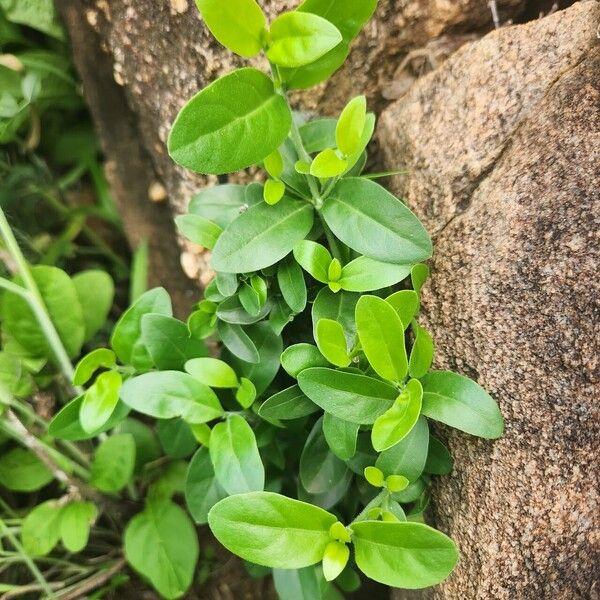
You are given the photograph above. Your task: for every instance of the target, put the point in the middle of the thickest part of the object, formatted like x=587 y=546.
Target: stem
x=36 y=301
x=335 y=249
x=27 y=560
x=375 y=502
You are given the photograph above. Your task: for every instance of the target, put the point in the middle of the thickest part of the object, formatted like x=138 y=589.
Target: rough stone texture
x=502 y=144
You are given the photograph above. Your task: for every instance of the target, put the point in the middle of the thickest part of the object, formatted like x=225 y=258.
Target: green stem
x=27 y=560
x=362 y=515
x=333 y=245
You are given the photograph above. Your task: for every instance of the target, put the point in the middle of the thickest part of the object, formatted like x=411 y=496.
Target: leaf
x=439 y=459
x=22 y=471
x=250 y=300
x=318 y=135
x=421 y=355
x=335 y=559
x=366 y=217
x=298 y=584
x=38 y=14
x=338 y=307
x=100 y=401
x=297 y=39
x=237 y=341
x=245 y=395
x=409 y=455
x=168 y=341
x=313 y=258
x=202 y=489
x=91 y=362
x=58 y=292
x=272 y=530
x=405 y=555
x=332 y=343
x=364 y=274
x=75 y=521
x=350 y=125
x=212 y=372
x=227 y=283
x=356 y=161
x=66 y=425
x=320 y=469
x=176 y=438
x=235 y=458
x=232 y=311
x=161 y=544
x=327 y=164
x=113 y=464
x=220 y=204
x=95 y=290
x=201 y=322
x=273 y=191
x=273 y=164
x=238 y=24
x=262 y=235
x=291 y=284
x=461 y=403
x=398 y=421
x=147 y=446
x=406 y=304
x=290 y=403
x=126 y=337
x=418 y=276
x=355 y=398
x=169 y=394
x=233 y=123
x=40 y=530
x=341 y=436
x=198 y=230
x=381 y=335
x=298 y=357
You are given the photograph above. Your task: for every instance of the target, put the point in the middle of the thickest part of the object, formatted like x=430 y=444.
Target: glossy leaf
x=381 y=335
x=335 y=559
x=291 y=284
x=91 y=362
x=338 y=307
x=75 y=521
x=100 y=400
x=340 y=435
x=349 y=396
x=366 y=217
x=272 y=530
x=458 y=401
x=95 y=291
x=365 y=274
x=237 y=341
x=439 y=459
x=350 y=125
x=22 y=471
x=198 y=230
x=406 y=304
x=273 y=191
x=212 y=372
x=113 y=464
x=202 y=489
x=298 y=357
x=261 y=236
x=327 y=164
x=332 y=342
x=290 y=403
x=246 y=393
x=235 y=458
x=233 y=123
x=313 y=258
x=421 y=355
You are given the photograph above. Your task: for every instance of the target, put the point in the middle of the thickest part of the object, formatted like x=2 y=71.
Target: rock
x=502 y=146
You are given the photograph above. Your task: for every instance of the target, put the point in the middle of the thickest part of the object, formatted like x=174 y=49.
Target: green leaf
x=220 y=204
x=381 y=335
x=238 y=24
x=290 y=403
x=169 y=394
x=95 y=290
x=100 y=401
x=338 y=307
x=274 y=164
x=23 y=471
x=350 y=125
x=327 y=164
x=113 y=464
x=273 y=191
x=335 y=559
x=199 y=230
x=58 y=292
x=262 y=235
x=176 y=438
x=237 y=341
x=201 y=323
x=38 y=14
x=298 y=584
x=374 y=476
x=320 y=469
x=298 y=357
x=332 y=343
x=409 y=455
x=245 y=395
x=341 y=436
x=272 y=530
x=233 y=311
x=212 y=372
x=318 y=135
x=398 y=421
x=406 y=304
x=250 y=300
x=235 y=456
x=233 y=123
x=439 y=459
x=227 y=283
x=371 y=221
x=355 y=398
x=356 y=161
x=66 y=425
x=364 y=274
x=313 y=258
x=461 y=403
x=169 y=342
x=91 y=362
x=40 y=531
x=405 y=555
x=421 y=355
x=418 y=276
x=75 y=521
x=291 y=284
x=161 y=544
x=147 y=446
x=202 y=489
x=297 y=39
x=126 y=338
